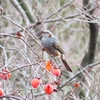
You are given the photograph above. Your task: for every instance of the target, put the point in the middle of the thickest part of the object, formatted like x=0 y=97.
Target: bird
x=52 y=45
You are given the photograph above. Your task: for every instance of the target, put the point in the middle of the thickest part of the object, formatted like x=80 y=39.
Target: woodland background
x=75 y=23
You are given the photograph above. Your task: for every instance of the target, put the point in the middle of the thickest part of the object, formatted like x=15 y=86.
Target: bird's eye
x=49 y=35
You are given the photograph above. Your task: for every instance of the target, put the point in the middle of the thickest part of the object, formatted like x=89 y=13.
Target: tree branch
x=66 y=5
x=94 y=30
x=27 y=10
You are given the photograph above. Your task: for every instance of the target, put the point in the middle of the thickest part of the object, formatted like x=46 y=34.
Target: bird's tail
x=65 y=63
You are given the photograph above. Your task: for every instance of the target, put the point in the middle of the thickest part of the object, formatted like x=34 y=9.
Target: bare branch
x=20 y=10
x=79 y=72
x=66 y=5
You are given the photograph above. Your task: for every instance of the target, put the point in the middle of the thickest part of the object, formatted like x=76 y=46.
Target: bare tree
x=22 y=58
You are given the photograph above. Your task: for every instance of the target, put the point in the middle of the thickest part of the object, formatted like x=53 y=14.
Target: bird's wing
x=57 y=46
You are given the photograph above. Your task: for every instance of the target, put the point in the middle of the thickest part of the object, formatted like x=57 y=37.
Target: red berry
x=35 y=82
x=56 y=71
x=1 y=92
x=19 y=34
x=76 y=85
x=48 y=65
x=3 y=74
x=49 y=88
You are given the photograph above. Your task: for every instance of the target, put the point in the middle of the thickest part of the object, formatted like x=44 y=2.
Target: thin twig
x=66 y=5
x=60 y=19
x=73 y=77
x=25 y=29
x=78 y=73
x=10 y=96
x=20 y=10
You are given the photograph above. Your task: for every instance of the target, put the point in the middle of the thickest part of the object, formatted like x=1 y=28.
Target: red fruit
x=19 y=34
x=49 y=88
x=35 y=82
x=76 y=85
x=48 y=65
x=56 y=71
x=1 y=92
x=4 y=74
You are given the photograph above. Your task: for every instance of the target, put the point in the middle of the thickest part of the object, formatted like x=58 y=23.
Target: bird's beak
x=42 y=31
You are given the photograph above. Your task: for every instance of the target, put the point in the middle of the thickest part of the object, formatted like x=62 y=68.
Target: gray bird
x=51 y=44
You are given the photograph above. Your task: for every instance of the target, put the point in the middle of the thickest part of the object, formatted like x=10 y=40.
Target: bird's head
x=47 y=33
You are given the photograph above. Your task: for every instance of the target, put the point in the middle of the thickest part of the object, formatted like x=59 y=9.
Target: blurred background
x=75 y=23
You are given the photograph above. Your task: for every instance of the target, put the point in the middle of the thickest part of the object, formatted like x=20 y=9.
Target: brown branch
x=24 y=66
x=60 y=19
x=20 y=30
x=7 y=35
x=20 y=10
x=66 y=5
x=78 y=73
x=25 y=29
x=94 y=30
x=26 y=9
x=73 y=77
x=10 y=96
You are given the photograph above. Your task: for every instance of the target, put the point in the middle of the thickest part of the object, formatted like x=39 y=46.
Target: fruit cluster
x=49 y=88
x=5 y=75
